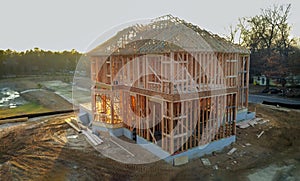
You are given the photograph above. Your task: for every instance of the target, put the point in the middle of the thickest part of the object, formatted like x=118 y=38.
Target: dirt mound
x=48 y=99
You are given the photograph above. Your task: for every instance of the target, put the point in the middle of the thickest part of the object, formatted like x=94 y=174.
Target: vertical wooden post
x=247 y=79
x=235 y=114
x=94 y=103
x=172 y=72
x=137 y=64
x=206 y=120
x=153 y=121
x=198 y=119
x=148 y=118
x=112 y=107
x=163 y=132
x=242 y=92
x=203 y=121
x=110 y=69
x=171 y=130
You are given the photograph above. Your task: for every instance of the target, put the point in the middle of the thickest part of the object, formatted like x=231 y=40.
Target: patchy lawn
x=24 y=109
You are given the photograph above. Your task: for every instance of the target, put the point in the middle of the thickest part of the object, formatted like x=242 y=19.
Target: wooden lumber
x=68 y=121
x=95 y=140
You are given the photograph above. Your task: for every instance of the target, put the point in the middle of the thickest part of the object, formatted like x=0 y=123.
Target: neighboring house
x=293 y=81
x=276 y=81
x=260 y=80
x=169 y=83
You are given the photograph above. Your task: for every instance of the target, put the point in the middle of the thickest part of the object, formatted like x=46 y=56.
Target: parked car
x=272 y=90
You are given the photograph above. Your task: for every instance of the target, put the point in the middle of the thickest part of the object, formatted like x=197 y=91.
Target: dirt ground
x=52 y=101
x=40 y=150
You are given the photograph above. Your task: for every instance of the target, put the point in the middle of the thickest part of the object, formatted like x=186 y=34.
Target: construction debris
x=81 y=126
x=243 y=126
x=231 y=151
x=205 y=161
x=180 y=160
x=259 y=135
x=251 y=122
x=69 y=121
x=72 y=136
x=95 y=140
x=215 y=167
x=264 y=121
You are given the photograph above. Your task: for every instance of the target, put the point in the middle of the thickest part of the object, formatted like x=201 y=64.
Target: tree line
x=37 y=62
x=274 y=52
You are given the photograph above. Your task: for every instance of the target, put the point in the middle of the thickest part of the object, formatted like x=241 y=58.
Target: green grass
x=24 y=109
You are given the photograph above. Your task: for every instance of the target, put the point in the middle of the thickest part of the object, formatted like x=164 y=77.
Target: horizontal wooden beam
x=169 y=97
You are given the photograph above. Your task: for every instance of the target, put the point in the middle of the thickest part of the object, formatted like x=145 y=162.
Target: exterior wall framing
x=179 y=100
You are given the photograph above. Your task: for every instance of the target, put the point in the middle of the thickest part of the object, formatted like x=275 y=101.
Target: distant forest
x=38 y=62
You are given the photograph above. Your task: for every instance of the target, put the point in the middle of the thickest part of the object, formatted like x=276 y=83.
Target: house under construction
x=169 y=83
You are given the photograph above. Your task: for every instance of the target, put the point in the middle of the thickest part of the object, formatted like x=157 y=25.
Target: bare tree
x=267 y=35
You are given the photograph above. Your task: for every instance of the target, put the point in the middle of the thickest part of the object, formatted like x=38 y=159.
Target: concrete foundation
x=192 y=153
x=154 y=149
x=84 y=118
x=85 y=113
x=204 y=149
x=117 y=132
x=157 y=151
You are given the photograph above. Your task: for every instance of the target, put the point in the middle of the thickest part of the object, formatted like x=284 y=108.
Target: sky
x=74 y=24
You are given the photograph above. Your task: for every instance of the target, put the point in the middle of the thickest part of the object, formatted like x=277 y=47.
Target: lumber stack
x=95 y=140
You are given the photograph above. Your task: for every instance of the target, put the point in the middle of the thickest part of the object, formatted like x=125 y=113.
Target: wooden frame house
x=170 y=83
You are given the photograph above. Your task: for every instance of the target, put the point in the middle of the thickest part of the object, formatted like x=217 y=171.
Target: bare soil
x=40 y=150
x=48 y=99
